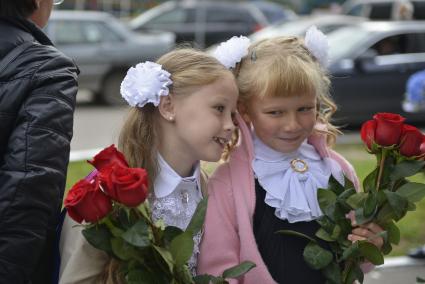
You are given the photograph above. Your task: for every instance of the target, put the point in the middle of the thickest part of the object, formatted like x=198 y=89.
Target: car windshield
x=342 y=41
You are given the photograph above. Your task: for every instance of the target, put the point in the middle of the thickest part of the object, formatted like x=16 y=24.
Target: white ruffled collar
x=168 y=180
x=291 y=192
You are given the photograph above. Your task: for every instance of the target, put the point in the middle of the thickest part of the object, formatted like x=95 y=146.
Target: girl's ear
x=243 y=110
x=167 y=107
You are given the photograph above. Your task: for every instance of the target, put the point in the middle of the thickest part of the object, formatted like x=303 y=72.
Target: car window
x=401 y=44
x=82 y=32
x=99 y=32
x=419 y=10
x=380 y=11
x=67 y=32
x=356 y=10
x=176 y=16
x=228 y=15
x=338 y=47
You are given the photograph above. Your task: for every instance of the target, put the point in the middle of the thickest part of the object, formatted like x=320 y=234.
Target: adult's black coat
x=37 y=100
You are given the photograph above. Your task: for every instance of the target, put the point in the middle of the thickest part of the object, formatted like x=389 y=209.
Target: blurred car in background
x=209 y=22
x=298 y=27
x=369 y=65
x=104 y=49
x=383 y=9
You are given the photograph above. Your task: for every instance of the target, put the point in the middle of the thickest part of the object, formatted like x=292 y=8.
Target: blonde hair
x=283 y=66
x=138 y=140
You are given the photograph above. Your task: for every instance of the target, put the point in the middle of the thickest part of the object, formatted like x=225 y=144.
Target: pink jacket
x=228 y=238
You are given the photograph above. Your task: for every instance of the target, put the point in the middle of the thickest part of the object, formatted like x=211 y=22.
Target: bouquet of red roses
x=386 y=197
x=112 y=202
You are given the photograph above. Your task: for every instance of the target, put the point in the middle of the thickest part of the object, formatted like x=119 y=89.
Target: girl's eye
x=305 y=109
x=274 y=112
x=219 y=108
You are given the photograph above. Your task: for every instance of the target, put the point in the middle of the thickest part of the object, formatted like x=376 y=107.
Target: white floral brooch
x=231 y=51
x=317 y=43
x=145 y=83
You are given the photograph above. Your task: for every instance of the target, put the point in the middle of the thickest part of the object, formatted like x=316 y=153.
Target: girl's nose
x=290 y=122
x=229 y=124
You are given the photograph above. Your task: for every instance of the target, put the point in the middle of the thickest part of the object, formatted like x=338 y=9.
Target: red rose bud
x=388 y=128
x=85 y=201
x=411 y=140
x=128 y=186
x=367 y=133
x=108 y=156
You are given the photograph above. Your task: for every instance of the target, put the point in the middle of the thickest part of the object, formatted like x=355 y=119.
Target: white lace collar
x=168 y=180
x=292 y=192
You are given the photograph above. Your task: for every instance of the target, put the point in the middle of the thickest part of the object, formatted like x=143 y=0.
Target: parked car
x=210 y=22
x=383 y=9
x=370 y=63
x=104 y=49
x=298 y=27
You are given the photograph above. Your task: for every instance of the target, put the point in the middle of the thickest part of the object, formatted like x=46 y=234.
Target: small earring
x=170 y=118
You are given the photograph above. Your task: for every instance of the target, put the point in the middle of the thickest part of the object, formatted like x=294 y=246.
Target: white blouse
x=175 y=200
x=291 y=179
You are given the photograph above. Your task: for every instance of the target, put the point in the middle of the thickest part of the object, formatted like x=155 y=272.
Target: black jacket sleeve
x=33 y=174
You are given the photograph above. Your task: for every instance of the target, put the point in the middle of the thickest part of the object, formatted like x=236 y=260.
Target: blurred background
x=375 y=45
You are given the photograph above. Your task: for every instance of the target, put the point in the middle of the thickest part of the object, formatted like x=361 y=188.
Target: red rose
x=388 y=128
x=411 y=140
x=108 y=156
x=128 y=186
x=85 y=201
x=367 y=133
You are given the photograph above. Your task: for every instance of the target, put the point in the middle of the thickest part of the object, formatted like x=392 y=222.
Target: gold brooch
x=299 y=165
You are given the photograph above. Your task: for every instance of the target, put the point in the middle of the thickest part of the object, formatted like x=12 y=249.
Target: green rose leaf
x=332 y=273
x=98 y=236
x=316 y=256
x=198 y=217
x=420 y=280
x=369 y=206
x=369 y=181
x=138 y=234
x=355 y=273
x=138 y=276
x=166 y=256
x=322 y=234
x=326 y=198
x=351 y=251
x=335 y=186
x=393 y=233
x=406 y=169
x=181 y=248
x=398 y=204
x=385 y=214
x=122 y=249
x=238 y=270
x=412 y=191
x=171 y=232
x=357 y=200
x=371 y=252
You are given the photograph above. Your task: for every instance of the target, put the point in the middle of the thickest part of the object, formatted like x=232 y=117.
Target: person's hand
x=367 y=232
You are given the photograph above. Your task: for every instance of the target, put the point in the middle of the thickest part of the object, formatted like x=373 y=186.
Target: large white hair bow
x=145 y=83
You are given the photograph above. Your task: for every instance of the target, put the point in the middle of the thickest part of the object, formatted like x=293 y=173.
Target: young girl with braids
x=182 y=111
x=271 y=180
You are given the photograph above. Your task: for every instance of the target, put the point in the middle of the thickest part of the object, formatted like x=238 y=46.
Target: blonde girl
x=182 y=113
x=284 y=156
